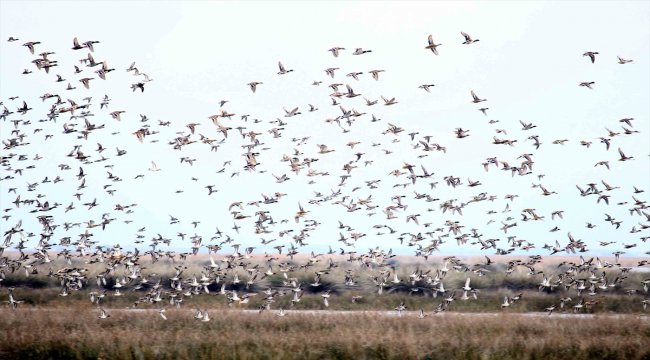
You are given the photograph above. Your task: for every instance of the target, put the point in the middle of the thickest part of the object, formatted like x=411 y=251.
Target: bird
x=623 y=61
x=136 y=86
x=12 y=301
x=253 y=85
x=301 y=213
x=335 y=50
x=75 y=44
x=291 y=113
x=627 y=121
x=330 y=71
x=86 y=82
x=117 y=114
x=390 y=101
x=623 y=157
x=401 y=307
x=592 y=55
x=421 y=314
x=588 y=84
x=282 y=69
x=30 y=45
x=550 y=309
x=506 y=302
x=476 y=99
x=90 y=44
x=154 y=167
x=432 y=45
x=375 y=74
x=360 y=51
x=468 y=39
x=355 y=75
x=103 y=314
x=467 y=287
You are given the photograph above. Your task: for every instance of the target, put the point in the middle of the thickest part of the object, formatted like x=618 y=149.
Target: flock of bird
x=36 y=236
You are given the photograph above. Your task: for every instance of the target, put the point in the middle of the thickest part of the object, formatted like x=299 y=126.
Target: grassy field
x=33 y=333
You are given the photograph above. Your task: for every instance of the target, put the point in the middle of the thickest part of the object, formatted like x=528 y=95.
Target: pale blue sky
x=528 y=64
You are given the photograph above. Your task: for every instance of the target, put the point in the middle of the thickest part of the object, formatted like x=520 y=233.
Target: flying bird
x=592 y=55
x=432 y=45
x=468 y=39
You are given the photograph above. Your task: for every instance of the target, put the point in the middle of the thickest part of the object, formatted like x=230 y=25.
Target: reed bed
x=41 y=333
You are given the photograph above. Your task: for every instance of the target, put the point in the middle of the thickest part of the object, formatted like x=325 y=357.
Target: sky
x=528 y=65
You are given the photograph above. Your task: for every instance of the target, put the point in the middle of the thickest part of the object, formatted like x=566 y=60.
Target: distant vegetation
x=346 y=285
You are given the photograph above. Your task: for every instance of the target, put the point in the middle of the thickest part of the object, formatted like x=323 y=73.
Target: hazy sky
x=527 y=64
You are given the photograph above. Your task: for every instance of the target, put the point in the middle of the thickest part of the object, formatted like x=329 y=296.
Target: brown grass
x=33 y=333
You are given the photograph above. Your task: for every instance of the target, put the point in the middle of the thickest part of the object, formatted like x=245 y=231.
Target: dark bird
x=592 y=55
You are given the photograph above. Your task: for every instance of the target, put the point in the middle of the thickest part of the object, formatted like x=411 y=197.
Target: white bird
x=198 y=315
x=421 y=314
x=103 y=314
x=466 y=287
x=206 y=316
